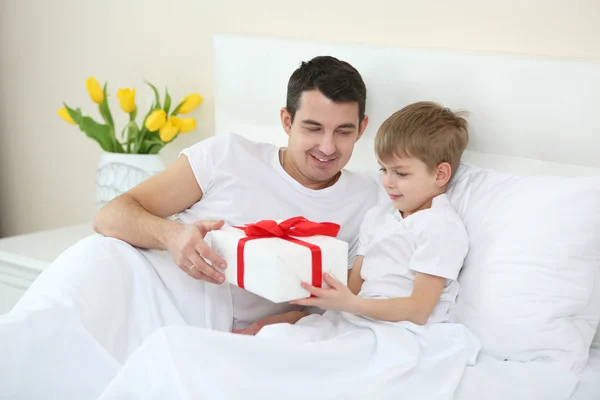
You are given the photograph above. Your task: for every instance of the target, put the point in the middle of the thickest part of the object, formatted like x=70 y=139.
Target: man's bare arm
x=139 y=217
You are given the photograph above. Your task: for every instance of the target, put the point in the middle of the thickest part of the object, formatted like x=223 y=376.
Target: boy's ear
x=443 y=174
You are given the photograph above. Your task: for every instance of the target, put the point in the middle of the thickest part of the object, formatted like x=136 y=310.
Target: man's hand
x=290 y=317
x=337 y=297
x=190 y=252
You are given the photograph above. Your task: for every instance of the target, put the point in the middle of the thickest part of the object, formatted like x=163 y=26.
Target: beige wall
x=49 y=48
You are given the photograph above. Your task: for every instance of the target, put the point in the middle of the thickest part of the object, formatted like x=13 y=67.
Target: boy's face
x=321 y=138
x=411 y=185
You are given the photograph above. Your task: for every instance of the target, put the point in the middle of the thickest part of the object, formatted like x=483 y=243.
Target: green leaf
x=75 y=114
x=167 y=101
x=156 y=95
x=132 y=134
x=106 y=115
x=176 y=110
x=132 y=129
x=105 y=111
x=94 y=130
x=148 y=142
x=144 y=147
x=98 y=132
x=155 y=148
x=152 y=146
x=133 y=114
x=153 y=135
x=117 y=147
x=139 y=141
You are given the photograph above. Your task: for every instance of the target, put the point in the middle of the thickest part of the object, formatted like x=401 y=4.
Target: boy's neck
x=425 y=206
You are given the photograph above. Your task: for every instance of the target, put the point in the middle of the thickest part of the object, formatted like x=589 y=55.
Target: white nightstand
x=24 y=257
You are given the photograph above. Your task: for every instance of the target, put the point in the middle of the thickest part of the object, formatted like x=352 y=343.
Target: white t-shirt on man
x=244 y=182
x=432 y=241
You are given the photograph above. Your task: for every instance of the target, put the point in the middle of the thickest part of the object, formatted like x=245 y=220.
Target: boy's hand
x=337 y=297
x=290 y=317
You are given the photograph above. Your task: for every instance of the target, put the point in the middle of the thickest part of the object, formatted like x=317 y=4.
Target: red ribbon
x=297 y=226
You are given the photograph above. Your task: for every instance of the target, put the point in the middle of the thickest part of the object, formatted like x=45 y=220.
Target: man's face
x=321 y=138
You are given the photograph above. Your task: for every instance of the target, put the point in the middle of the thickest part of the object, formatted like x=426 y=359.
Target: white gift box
x=274 y=267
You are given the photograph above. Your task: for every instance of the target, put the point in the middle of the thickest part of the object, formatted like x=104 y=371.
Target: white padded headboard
x=544 y=110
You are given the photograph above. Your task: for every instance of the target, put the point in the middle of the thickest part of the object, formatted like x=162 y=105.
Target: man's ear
x=443 y=174
x=362 y=126
x=286 y=120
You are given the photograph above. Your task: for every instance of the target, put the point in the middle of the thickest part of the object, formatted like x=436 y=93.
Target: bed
x=529 y=116
x=528 y=191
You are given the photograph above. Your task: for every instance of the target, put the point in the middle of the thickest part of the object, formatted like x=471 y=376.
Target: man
x=111 y=291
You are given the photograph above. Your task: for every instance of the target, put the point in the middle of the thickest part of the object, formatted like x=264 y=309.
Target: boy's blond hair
x=424 y=130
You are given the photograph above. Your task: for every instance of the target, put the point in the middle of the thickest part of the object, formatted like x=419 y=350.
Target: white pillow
x=529 y=288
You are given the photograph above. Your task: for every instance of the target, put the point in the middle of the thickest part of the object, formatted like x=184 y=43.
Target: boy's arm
x=354 y=279
x=438 y=258
x=417 y=308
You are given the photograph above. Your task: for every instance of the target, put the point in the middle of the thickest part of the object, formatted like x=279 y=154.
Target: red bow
x=299 y=227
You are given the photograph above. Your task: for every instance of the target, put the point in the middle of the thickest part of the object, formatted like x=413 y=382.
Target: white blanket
x=110 y=320
x=90 y=310
x=333 y=356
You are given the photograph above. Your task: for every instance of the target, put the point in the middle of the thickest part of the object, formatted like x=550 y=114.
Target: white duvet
x=111 y=327
x=324 y=357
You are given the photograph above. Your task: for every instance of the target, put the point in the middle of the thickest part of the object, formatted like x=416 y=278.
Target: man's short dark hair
x=337 y=80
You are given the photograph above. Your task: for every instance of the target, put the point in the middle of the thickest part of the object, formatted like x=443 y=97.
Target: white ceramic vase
x=117 y=173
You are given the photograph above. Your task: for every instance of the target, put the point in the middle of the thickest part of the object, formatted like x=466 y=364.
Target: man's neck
x=290 y=168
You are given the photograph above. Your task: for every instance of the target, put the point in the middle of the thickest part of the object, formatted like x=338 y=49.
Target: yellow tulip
x=176 y=121
x=170 y=129
x=156 y=120
x=187 y=124
x=189 y=103
x=126 y=99
x=64 y=114
x=95 y=90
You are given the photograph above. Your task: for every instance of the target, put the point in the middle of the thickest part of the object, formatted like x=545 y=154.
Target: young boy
x=412 y=247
